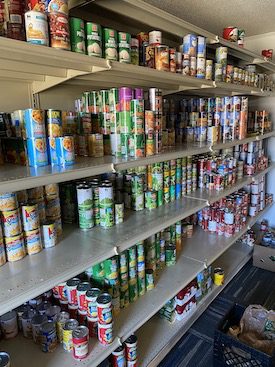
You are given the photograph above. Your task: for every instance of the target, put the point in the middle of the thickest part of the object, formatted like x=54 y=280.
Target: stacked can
x=85 y=206
x=221 y=63
x=172 y=187
x=183 y=175
x=201 y=54
x=125 y=97
x=143 y=40
x=178 y=187
x=154 y=196
x=91 y=297
x=111 y=279
x=155 y=99
x=82 y=308
x=124 y=282
x=194 y=51
x=105 y=319
x=166 y=182
x=115 y=122
x=131 y=351
x=106 y=204
x=31 y=226
x=93 y=33
x=136 y=140
x=132 y=267
x=52 y=228
x=150 y=262
x=71 y=294
x=257 y=196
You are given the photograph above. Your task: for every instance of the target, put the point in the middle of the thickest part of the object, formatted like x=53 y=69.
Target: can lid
x=39 y=319
x=8 y=316
x=73 y=282
x=4 y=359
x=93 y=292
x=104 y=298
x=71 y=324
x=80 y=332
x=119 y=349
x=84 y=286
x=63 y=316
x=48 y=327
x=131 y=340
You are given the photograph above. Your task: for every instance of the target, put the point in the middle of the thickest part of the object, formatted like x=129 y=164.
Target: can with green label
x=133 y=290
x=166 y=174
x=106 y=205
x=123 y=262
x=136 y=145
x=124 y=144
x=132 y=257
x=157 y=176
x=141 y=284
x=98 y=271
x=110 y=44
x=172 y=193
x=125 y=122
x=137 y=116
x=150 y=200
x=173 y=234
x=160 y=198
x=86 y=219
x=77 y=33
x=138 y=201
x=149 y=277
x=166 y=195
x=170 y=255
x=111 y=270
x=114 y=100
x=124 y=47
x=140 y=252
x=137 y=183
x=119 y=213
x=94 y=39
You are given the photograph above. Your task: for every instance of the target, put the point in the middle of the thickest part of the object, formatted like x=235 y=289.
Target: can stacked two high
x=124 y=279
x=154 y=198
x=137 y=125
x=150 y=262
x=153 y=123
x=111 y=280
x=105 y=319
x=85 y=206
x=115 y=116
x=132 y=268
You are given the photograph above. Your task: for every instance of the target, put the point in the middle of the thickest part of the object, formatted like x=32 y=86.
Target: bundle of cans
x=31 y=220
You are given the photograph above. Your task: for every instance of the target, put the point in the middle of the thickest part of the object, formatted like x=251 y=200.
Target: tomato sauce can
x=30 y=217
x=57 y=6
x=12 y=223
x=59 y=31
x=37 y=152
x=48 y=337
x=105 y=333
x=68 y=328
x=131 y=348
x=81 y=291
x=118 y=357
x=65 y=150
x=36 y=26
x=80 y=338
x=104 y=309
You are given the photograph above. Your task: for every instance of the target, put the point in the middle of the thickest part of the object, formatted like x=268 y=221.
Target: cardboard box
x=264 y=257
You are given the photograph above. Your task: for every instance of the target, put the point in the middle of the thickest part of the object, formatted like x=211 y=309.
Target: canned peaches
x=12 y=223
x=8 y=201
x=33 y=241
x=15 y=248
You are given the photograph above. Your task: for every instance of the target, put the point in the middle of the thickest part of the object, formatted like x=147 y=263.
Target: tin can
x=11 y=223
x=33 y=241
x=221 y=55
x=52 y=313
x=2 y=253
x=162 y=57
x=84 y=196
x=51 y=190
x=200 y=67
x=218 y=276
x=36 y=26
x=15 y=248
x=30 y=217
x=149 y=277
x=190 y=44
x=8 y=201
x=49 y=234
x=68 y=329
x=110 y=44
x=27 y=323
x=34 y=124
x=118 y=357
x=81 y=297
x=80 y=338
x=5 y=359
x=150 y=56
x=105 y=333
x=170 y=255
x=155 y=37
x=77 y=32
x=178 y=62
x=65 y=150
x=106 y=204
x=134 y=51
x=59 y=31
x=9 y=326
x=230 y=34
x=104 y=309
x=218 y=72
x=172 y=60
x=186 y=64
x=62 y=318
x=54 y=123
x=53 y=6
x=95 y=145
x=48 y=337
x=131 y=348
x=124 y=47
x=94 y=39
x=51 y=148
x=150 y=200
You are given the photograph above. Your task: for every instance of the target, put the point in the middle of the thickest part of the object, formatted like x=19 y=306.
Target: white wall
x=261 y=42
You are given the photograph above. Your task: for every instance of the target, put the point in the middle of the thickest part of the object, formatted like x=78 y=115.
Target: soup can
x=49 y=234
x=81 y=297
x=8 y=201
x=30 y=217
x=59 y=31
x=105 y=333
x=77 y=35
x=36 y=26
x=52 y=313
x=33 y=241
x=118 y=357
x=91 y=297
x=68 y=328
x=9 y=326
x=15 y=248
x=94 y=39
x=37 y=152
x=131 y=348
x=110 y=44
x=80 y=338
x=12 y=223
x=162 y=57
x=65 y=150
x=71 y=290
x=48 y=337
x=104 y=309
x=34 y=124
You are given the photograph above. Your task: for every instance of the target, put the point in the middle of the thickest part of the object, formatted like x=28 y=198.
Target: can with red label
x=104 y=309
x=91 y=297
x=80 y=342
x=118 y=357
x=71 y=290
x=131 y=348
x=59 y=31
x=81 y=297
x=105 y=333
x=62 y=292
x=230 y=34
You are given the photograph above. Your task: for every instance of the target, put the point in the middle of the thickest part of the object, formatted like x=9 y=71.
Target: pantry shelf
x=163 y=335
x=170 y=282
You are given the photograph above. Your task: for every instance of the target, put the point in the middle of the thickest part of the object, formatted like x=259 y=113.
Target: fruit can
x=49 y=234
x=65 y=150
x=218 y=72
x=209 y=70
x=59 y=31
x=124 y=47
x=172 y=60
x=119 y=213
x=9 y=326
x=190 y=44
x=131 y=348
x=110 y=44
x=81 y=296
x=48 y=337
x=80 y=338
x=221 y=55
x=8 y=201
x=34 y=124
x=62 y=318
x=105 y=333
x=111 y=270
x=230 y=34
x=54 y=123
x=30 y=217
x=33 y=241
x=94 y=39
x=11 y=223
x=106 y=205
x=77 y=33
x=162 y=57
x=51 y=148
x=5 y=359
x=91 y=297
x=15 y=248
x=36 y=26
x=118 y=357
x=68 y=328
x=104 y=309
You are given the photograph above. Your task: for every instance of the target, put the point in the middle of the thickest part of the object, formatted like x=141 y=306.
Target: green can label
x=141 y=285
x=160 y=198
x=150 y=200
x=140 y=252
x=106 y=205
x=98 y=271
x=125 y=122
x=157 y=176
x=114 y=100
x=138 y=201
x=137 y=184
x=110 y=44
x=94 y=39
x=77 y=35
x=133 y=291
x=132 y=257
x=111 y=268
x=86 y=220
x=149 y=276
x=136 y=145
x=172 y=192
x=124 y=47
x=119 y=213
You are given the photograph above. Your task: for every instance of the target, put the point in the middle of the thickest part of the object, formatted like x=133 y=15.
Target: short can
x=218 y=276
x=71 y=290
x=48 y=337
x=230 y=33
x=119 y=213
x=49 y=234
x=34 y=123
x=37 y=152
x=118 y=357
x=105 y=333
x=8 y=201
x=15 y=248
x=36 y=26
x=11 y=223
x=104 y=309
x=91 y=297
x=150 y=200
x=155 y=37
x=131 y=348
x=33 y=241
x=54 y=123
x=80 y=342
x=170 y=255
x=36 y=323
x=84 y=196
x=77 y=33
x=30 y=217
x=94 y=39
x=68 y=328
x=62 y=318
x=110 y=44
x=65 y=150
x=9 y=326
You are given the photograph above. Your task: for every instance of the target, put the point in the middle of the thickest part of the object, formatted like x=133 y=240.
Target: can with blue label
x=54 y=123
x=65 y=150
x=37 y=152
x=52 y=151
x=34 y=123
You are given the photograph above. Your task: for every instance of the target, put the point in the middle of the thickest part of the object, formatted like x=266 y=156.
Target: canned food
x=33 y=241
x=119 y=213
x=49 y=235
x=48 y=337
x=12 y=223
x=15 y=248
x=95 y=145
x=162 y=57
x=172 y=60
x=27 y=323
x=155 y=37
x=149 y=277
x=8 y=201
x=9 y=326
x=80 y=342
x=106 y=205
x=104 y=309
x=51 y=190
x=68 y=328
x=131 y=348
x=4 y=359
x=2 y=253
x=105 y=333
x=37 y=152
x=61 y=320
x=30 y=217
x=57 y=6
x=91 y=297
x=34 y=124
x=110 y=44
x=36 y=26
x=77 y=33
x=150 y=56
x=54 y=123
x=81 y=297
x=124 y=47
x=94 y=39
x=65 y=150
x=71 y=290
x=53 y=312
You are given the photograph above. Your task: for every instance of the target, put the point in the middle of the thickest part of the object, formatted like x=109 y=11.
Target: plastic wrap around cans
x=77 y=35
x=34 y=123
x=94 y=39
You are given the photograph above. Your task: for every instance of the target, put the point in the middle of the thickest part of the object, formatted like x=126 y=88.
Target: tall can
x=172 y=60
x=77 y=35
x=110 y=44
x=106 y=205
x=124 y=47
x=48 y=337
x=94 y=39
